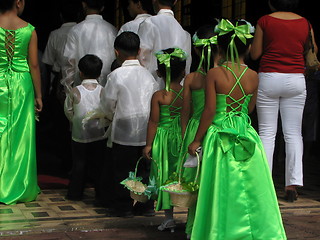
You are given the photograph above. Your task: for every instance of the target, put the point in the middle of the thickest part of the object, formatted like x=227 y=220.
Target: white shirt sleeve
x=109 y=99
x=69 y=71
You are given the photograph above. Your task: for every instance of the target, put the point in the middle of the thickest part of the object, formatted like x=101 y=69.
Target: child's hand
x=146 y=152
x=193 y=147
x=38 y=104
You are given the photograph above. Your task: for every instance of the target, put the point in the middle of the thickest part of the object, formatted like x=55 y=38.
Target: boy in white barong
x=126 y=101
x=139 y=10
x=93 y=35
x=159 y=32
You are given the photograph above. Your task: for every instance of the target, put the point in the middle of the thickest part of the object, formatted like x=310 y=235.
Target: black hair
x=94 y=4
x=146 y=5
x=90 y=65
x=169 y=3
x=177 y=66
x=6 y=5
x=224 y=41
x=285 y=5
x=115 y=64
x=128 y=43
x=70 y=10
x=207 y=32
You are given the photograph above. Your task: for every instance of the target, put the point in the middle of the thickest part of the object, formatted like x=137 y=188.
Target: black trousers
x=124 y=159
x=87 y=166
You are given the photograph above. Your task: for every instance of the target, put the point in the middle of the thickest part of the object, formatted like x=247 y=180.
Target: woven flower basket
x=138 y=190
x=180 y=198
x=178 y=195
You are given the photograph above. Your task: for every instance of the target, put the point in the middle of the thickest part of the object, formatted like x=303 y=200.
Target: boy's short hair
x=90 y=65
x=94 y=4
x=70 y=10
x=169 y=3
x=114 y=65
x=128 y=43
x=146 y=5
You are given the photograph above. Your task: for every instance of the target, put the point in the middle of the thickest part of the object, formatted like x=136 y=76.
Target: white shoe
x=167 y=224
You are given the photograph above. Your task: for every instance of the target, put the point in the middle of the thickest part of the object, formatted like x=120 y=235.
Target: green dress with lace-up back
x=237 y=199
x=198 y=99
x=18 y=170
x=166 y=148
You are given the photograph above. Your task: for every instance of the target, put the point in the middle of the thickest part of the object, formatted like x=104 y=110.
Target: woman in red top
x=279 y=43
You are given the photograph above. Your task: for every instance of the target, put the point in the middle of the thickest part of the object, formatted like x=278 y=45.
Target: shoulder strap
x=237 y=79
x=178 y=95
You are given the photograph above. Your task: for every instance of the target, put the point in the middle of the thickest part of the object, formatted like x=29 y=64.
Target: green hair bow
x=164 y=58
x=240 y=31
x=204 y=43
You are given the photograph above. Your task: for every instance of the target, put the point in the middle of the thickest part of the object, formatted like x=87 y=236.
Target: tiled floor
x=51 y=213
x=53 y=217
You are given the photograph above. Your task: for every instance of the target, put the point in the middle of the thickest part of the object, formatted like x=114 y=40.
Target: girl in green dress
x=236 y=199
x=204 y=41
x=164 y=130
x=20 y=96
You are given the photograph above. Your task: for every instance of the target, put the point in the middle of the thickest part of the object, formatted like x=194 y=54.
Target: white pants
x=285 y=92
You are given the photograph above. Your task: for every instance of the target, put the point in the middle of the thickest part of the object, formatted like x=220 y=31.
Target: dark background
x=44 y=15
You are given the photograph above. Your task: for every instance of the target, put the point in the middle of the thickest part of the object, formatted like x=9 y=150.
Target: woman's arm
x=253 y=101
x=257 y=44
x=208 y=112
x=185 y=111
x=35 y=70
x=314 y=42
x=254 y=82
x=152 y=125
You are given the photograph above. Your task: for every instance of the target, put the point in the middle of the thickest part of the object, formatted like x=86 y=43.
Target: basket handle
x=198 y=167
x=136 y=168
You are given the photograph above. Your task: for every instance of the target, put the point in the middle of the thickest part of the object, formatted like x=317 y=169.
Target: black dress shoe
x=291 y=195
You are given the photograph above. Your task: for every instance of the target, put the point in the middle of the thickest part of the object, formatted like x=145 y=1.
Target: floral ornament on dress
x=164 y=58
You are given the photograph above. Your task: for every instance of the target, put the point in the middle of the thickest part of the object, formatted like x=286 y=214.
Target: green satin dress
x=237 y=199
x=18 y=172
x=198 y=99
x=166 y=148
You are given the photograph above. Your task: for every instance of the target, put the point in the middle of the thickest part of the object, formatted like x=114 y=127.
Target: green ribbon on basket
x=204 y=43
x=164 y=58
x=240 y=31
x=152 y=188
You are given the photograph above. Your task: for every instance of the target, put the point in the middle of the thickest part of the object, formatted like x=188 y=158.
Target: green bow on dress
x=240 y=31
x=164 y=58
x=204 y=43
x=241 y=146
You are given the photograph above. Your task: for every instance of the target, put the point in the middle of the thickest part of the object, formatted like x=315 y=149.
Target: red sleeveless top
x=283 y=44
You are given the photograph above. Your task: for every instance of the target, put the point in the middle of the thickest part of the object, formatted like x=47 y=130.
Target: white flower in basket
x=182 y=194
x=139 y=191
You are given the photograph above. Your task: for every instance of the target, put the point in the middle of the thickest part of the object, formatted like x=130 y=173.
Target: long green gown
x=237 y=199
x=198 y=99
x=18 y=173
x=165 y=149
